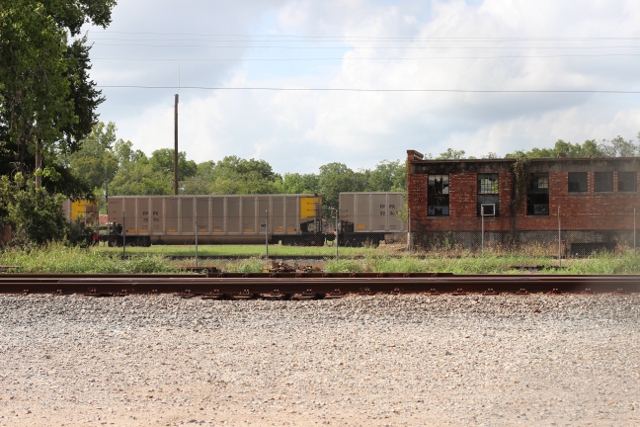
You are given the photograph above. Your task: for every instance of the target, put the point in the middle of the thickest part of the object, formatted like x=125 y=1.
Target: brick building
x=588 y=202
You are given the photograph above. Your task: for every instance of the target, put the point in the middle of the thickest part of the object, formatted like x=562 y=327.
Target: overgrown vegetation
x=61 y=258
x=35 y=216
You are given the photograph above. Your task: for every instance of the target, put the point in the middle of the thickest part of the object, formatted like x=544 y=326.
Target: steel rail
x=313 y=285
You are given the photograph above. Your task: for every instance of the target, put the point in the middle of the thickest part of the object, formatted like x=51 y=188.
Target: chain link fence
x=553 y=235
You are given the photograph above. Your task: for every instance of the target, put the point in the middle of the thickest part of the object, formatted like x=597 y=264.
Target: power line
x=397 y=58
x=552 y=91
x=180 y=43
x=355 y=37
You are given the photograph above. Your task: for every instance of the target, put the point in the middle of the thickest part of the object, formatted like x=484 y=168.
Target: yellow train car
x=85 y=211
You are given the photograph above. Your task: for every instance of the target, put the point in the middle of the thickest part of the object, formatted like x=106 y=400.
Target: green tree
x=295 y=183
x=590 y=149
x=138 y=178
x=141 y=175
x=619 y=147
x=335 y=178
x=96 y=162
x=451 y=154
x=201 y=182
x=388 y=176
x=126 y=154
x=33 y=214
x=244 y=167
x=46 y=96
x=233 y=175
x=162 y=161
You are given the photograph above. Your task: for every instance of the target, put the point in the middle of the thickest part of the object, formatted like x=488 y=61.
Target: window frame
x=538 y=195
x=488 y=194
x=634 y=181
x=436 y=197
x=603 y=182
x=578 y=182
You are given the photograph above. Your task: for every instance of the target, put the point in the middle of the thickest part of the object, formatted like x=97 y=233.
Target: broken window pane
x=538 y=194
x=438 y=195
x=487 y=183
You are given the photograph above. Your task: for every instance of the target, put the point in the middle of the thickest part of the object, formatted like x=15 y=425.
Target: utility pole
x=175 y=150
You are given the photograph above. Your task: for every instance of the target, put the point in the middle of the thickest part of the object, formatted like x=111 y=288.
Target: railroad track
x=211 y=284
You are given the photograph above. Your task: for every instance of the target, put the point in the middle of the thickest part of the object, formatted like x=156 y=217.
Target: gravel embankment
x=360 y=361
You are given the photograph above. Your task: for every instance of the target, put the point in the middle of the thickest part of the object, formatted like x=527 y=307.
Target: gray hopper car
x=248 y=219
x=372 y=217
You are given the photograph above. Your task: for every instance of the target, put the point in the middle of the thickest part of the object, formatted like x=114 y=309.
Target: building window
x=627 y=181
x=438 y=195
x=538 y=194
x=602 y=181
x=488 y=194
x=578 y=182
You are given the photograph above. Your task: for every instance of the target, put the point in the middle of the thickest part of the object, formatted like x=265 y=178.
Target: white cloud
x=491 y=45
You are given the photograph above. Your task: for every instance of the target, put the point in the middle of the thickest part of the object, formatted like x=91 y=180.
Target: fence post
x=266 y=233
x=410 y=238
x=559 y=240
x=337 y=234
x=482 y=235
x=196 y=235
x=124 y=235
x=634 y=231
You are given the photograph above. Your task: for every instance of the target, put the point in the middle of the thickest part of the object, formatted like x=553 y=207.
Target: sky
x=304 y=83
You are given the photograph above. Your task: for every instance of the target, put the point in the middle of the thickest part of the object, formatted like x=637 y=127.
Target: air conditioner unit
x=541 y=209
x=488 y=209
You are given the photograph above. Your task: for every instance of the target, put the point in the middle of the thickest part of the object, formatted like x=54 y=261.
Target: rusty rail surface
x=312 y=285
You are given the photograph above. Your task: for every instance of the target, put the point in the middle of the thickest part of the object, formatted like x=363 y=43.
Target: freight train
x=289 y=219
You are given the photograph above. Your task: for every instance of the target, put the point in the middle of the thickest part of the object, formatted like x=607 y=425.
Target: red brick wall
x=417 y=203
x=578 y=211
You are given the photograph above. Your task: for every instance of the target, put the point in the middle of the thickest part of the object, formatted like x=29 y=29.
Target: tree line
x=112 y=166
x=591 y=148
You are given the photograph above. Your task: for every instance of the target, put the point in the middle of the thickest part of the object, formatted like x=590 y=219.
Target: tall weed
x=60 y=258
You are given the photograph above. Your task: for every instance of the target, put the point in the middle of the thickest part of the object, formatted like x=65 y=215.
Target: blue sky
x=380 y=77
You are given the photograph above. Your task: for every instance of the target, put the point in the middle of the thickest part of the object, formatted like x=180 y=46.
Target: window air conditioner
x=488 y=210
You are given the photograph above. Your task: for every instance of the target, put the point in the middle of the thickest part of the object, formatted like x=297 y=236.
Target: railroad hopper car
x=83 y=211
x=368 y=218
x=216 y=219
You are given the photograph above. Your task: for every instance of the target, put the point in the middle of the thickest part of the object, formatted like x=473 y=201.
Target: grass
x=625 y=263
x=59 y=258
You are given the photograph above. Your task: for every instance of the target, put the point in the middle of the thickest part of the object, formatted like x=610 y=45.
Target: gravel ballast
x=536 y=360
